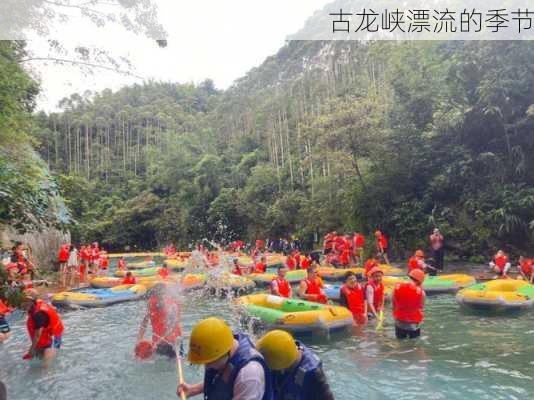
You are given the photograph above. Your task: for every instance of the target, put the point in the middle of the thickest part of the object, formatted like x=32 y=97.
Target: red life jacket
x=63 y=255
x=122 y=265
x=340 y=243
x=313 y=287
x=298 y=260
x=237 y=271
x=104 y=263
x=283 y=287
x=95 y=254
x=163 y=272
x=129 y=280
x=164 y=319
x=526 y=266
x=85 y=254
x=359 y=241
x=260 y=268
x=382 y=242
x=344 y=258
x=290 y=262
x=413 y=263
x=355 y=299
x=54 y=328
x=369 y=265
x=378 y=290
x=305 y=263
x=4 y=309
x=501 y=262
x=408 y=301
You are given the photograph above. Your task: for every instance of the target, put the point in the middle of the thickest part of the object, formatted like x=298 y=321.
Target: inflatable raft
x=141 y=265
x=292 y=277
x=498 y=295
x=449 y=283
x=338 y=274
x=135 y=255
x=192 y=281
x=332 y=291
x=189 y=281
x=297 y=316
x=140 y=272
x=99 y=297
x=222 y=284
x=175 y=264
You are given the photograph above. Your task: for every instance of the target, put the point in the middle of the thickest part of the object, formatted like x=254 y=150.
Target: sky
x=215 y=39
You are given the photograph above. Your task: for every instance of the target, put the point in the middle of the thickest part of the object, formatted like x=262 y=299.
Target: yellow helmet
x=279 y=349
x=210 y=339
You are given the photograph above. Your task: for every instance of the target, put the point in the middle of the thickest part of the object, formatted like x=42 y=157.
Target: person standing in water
x=5 y=330
x=374 y=292
x=44 y=326
x=438 y=253
x=408 y=301
x=526 y=269
x=352 y=296
x=234 y=369
x=297 y=372
x=382 y=245
x=163 y=313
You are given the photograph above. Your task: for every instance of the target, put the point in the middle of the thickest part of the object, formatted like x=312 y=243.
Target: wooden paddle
x=380 y=320
x=179 y=354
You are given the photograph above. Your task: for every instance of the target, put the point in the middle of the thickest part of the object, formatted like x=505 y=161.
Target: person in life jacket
x=239 y=269
x=358 y=244
x=370 y=264
x=305 y=262
x=121 y=264
x=129 y=279
x=5 y=330
x=382 y=245
x=344 y=258
x=163 y=313
x=328 y=243
x=374 y=292
x=290 y=262
x=62 y=258
x=526 y=269
x=280 y=286
x=164 y=271
x=311 y=288
x=44 y=326
x=94 y=256
x=500 y=264
x=298 y=259
x=352 y=296
x=103 y=261
x=234 y=369
x=297 y=373
x=261 y=266
x=408 y=301
x=436 y=244
x=417 y=261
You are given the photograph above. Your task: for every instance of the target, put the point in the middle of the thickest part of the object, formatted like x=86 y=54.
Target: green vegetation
x=322 y=136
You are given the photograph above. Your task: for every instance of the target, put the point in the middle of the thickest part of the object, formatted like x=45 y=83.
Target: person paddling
x=234 y=369
x=280 y=286
x=297 y=372
x=311 y=288
x=44 y=325
x=408 y=306
x=352 y=296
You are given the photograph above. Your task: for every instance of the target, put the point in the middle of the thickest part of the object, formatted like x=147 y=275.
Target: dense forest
x=401 y=136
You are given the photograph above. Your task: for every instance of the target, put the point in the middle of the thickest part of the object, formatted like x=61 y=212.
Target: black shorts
x=166 y=349
x=4 y=326
x=401 y=333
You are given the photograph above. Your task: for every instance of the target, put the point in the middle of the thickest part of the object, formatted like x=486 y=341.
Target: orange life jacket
x=305 y=263
x=501 y=262
x=54 y=328
x=408 y=302
x=526 y=266
x=369 y=265
x=344 y=258
x=413 y=263
x=129 y=280
x=260 y=268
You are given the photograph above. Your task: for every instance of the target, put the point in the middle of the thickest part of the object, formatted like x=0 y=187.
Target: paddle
x=380 y=320
x=179 y=355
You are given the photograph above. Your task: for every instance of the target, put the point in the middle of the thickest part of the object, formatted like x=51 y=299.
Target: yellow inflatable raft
x=294 y=315
x=175 y=264
x=188 y=282
x=99 y=297
x=498 y=295
x=291 y=276
x=141 y=265
x=135 y=255
x=139 y=273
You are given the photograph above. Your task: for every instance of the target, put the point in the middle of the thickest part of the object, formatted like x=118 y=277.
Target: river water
x=461 y=355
